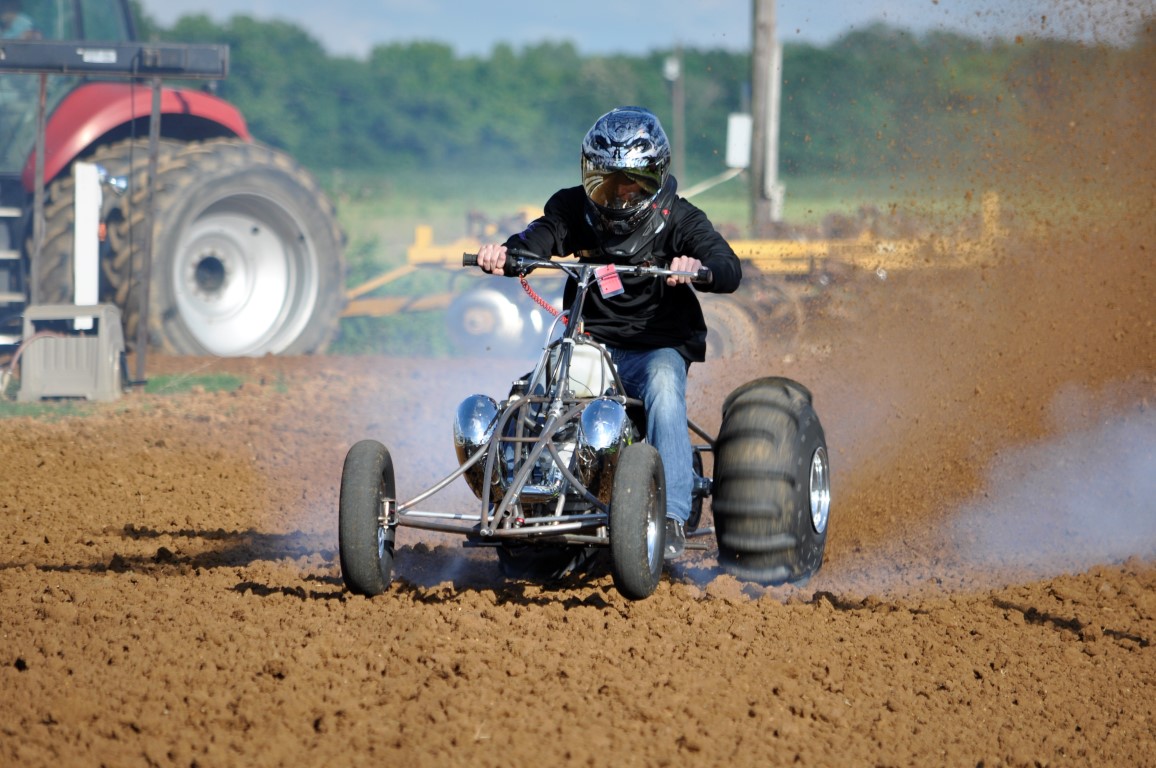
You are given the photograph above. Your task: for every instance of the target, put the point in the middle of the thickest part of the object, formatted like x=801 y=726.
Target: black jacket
x=649 y=314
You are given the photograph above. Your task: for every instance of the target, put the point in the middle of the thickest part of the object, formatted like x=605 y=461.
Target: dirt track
x=170 y=592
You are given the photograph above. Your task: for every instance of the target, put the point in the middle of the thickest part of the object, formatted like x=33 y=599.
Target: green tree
x=878 y=100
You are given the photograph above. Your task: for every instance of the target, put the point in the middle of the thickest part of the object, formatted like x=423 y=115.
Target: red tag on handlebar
x=609 y=284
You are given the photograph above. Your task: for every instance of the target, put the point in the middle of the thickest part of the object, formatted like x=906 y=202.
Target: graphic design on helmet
x=625 y=163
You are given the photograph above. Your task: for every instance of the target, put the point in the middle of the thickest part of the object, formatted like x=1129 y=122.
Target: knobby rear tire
x=771 y=500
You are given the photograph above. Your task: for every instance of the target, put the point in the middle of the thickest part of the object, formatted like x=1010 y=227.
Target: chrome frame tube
x=441 y=484
x=562 y=410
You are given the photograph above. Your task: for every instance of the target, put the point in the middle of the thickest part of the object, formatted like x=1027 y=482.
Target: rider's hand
x=492 y=258
x=683 y=264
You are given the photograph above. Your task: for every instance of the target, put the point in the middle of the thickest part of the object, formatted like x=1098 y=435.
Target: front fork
x=387 y=524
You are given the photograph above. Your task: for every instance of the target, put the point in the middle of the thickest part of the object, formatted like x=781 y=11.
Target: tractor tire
x=11 y=282
x=496 y=318
x=781 y=314
x=772 y=493
x=365 y=543
x=638 y=521
x=247 y=258
x=485 y=319
x=732 y=329
x=53 y=275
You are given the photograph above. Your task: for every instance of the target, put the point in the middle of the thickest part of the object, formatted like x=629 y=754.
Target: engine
x=588 y=447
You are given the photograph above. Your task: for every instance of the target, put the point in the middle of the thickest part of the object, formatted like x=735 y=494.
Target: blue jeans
x=657 y=377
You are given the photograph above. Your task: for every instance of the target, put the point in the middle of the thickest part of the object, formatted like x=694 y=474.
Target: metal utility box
x=62 y=357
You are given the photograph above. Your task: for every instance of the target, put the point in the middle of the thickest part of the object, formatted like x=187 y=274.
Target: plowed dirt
x=170 y=592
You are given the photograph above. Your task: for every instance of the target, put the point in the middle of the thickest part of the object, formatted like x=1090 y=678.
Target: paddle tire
x=772 y=494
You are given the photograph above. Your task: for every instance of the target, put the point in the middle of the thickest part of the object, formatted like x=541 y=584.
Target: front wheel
x=637 y=521
x=365 y=541
x=772 y=483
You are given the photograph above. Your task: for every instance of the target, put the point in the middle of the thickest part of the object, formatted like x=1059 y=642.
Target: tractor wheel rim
x=246 y=279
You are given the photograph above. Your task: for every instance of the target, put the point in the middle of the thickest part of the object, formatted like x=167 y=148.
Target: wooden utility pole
x=672 y=70
x=766 y=77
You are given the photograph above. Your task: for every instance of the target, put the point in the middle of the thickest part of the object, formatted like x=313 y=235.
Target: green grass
x=50 y=410
x=55 y=409
x=808 y=201
x=407 y=334
x=379 y=214
x=384 y=210
x=181 y=383
x=45 y=409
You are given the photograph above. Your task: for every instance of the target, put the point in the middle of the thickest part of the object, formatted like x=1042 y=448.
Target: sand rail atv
x=562 y=471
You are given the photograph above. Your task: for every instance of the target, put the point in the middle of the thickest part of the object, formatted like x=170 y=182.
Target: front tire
x=637 y=521
x=772 y=492
x=365 y=542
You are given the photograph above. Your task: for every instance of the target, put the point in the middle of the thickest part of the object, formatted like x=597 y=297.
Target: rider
x=14 y=23
x=627 y=212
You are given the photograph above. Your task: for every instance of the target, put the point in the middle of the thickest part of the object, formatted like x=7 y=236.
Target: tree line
x=877 y=100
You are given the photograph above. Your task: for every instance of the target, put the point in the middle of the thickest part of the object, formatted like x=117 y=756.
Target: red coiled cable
x=539 y=300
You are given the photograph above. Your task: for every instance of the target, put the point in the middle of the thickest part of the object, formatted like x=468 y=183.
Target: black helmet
x=625 y=157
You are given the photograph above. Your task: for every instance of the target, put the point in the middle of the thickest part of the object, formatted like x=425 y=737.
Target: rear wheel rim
x=820 y=489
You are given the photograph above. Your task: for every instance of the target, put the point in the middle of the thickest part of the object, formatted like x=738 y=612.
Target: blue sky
x=352 y=27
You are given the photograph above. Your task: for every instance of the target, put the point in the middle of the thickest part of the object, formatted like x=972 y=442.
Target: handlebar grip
x=704 y=275
x=513 y=267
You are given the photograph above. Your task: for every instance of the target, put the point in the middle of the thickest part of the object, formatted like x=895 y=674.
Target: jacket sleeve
x=547 y=235
x=694 y=235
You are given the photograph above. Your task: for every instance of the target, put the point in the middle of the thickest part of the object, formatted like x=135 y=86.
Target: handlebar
x=520 y=263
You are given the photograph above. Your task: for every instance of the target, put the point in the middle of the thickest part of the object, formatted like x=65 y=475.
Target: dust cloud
x=1087 y=497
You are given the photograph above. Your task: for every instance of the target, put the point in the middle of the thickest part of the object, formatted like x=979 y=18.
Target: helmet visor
x=619 y=189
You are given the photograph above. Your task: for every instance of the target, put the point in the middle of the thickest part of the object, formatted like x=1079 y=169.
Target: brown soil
x=170 y=592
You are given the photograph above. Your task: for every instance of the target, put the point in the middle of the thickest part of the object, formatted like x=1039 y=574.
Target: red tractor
x=246 y=253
